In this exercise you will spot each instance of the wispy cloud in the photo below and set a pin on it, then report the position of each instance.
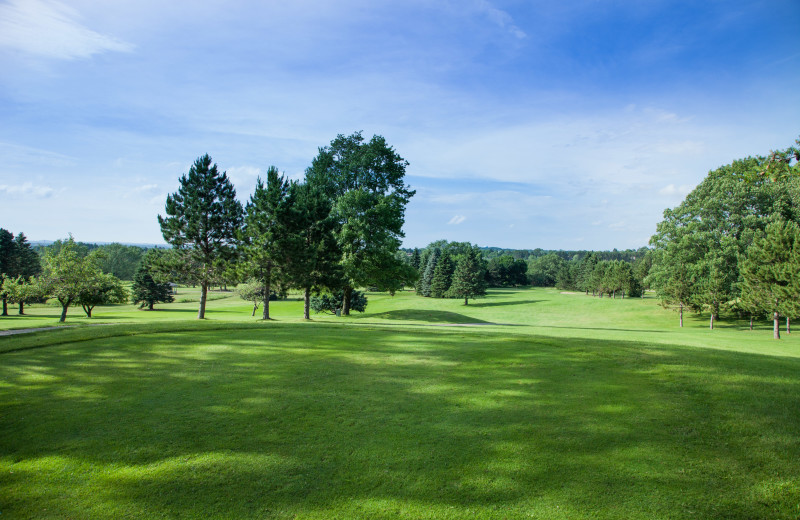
(51, 29)
(27, 189)
(457, 219)
(500, 18)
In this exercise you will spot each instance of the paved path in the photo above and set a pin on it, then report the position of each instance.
(25, 331)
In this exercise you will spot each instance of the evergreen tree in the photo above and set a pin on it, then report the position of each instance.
(314, 252)
(202, 221)
(440, 282)
(427, 275)
(147, 291)
(770, 273)
(266, 233)
(7, 263)
(468, 277)
(415, 259)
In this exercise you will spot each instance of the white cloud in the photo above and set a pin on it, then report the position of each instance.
(457, 219)
(500, 18)
(671, 189)
(26, 189)
(51, 29)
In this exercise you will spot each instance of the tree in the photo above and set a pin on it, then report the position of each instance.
(120, 260)
(21, 291)
(7, 263)
(100, 289)
(252, 291)
(202, 221)
(332, 303)
(146, 290)
(427, 276)
(440, 282)
(672, 281)
(781, 164)
(543, 271)
(468, 277)
(313, 260)
(365, 182)
(66, 275)
(770, 273)
(265, 237)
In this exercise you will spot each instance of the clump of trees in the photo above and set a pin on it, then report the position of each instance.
(709, 252)
(339, 229)
(451, 270)
(19, 263)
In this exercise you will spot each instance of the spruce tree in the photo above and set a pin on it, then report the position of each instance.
(147, 291)
(427, 275)
(440, 282)
(468, 277)
(203, 218)
(7, 261)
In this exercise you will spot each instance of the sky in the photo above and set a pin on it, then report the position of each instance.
(526, 124)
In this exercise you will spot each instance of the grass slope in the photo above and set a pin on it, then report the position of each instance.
(573, 407)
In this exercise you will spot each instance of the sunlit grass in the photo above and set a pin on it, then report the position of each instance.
(524, 404)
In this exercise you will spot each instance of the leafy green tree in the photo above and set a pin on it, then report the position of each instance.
(641, 268)
(585, 281)
(100, 289)
(365, 181)
(21, 291)
(781, 164)
(673, 282)
(202, 221)
(120, 260)
(543, 271)
(770, 273)
(146, 291)
(469, 277)
(253, 291)
(66, 275)
(266, 232)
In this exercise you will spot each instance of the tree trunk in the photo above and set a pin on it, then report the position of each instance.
(681, 315)
(88, 310)
(307, 303)
(265, 313)
(751, 322)
(22, 307)
(63, 312)
(5, 306)
(151, 305)
(201, 314)
(788, 325)
(255, 308)
(466, 300)
(776, 326)
(614, 294)
(348, 292)
(623, 294)
(711, 322)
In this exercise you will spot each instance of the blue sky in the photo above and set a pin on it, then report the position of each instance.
(560, 125)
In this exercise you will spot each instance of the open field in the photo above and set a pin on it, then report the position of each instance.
(525, 404)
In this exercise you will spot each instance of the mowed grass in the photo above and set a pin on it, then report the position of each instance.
(525, 404)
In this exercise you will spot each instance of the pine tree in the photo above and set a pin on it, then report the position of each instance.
(203, 218)
(770, 273)
(266, 232)
(146, 291)
(7, 261)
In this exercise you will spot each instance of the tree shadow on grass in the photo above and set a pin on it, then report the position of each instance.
(299, 421)
(504, 303)
(430, 316)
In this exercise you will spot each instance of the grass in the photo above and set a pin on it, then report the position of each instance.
(525, 404)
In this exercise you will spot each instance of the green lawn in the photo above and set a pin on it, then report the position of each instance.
(525, 404)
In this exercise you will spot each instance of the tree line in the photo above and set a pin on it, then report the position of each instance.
(733, 243)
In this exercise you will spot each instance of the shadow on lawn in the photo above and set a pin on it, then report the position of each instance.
(309, 421)
(430, 316)
(503, 303)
